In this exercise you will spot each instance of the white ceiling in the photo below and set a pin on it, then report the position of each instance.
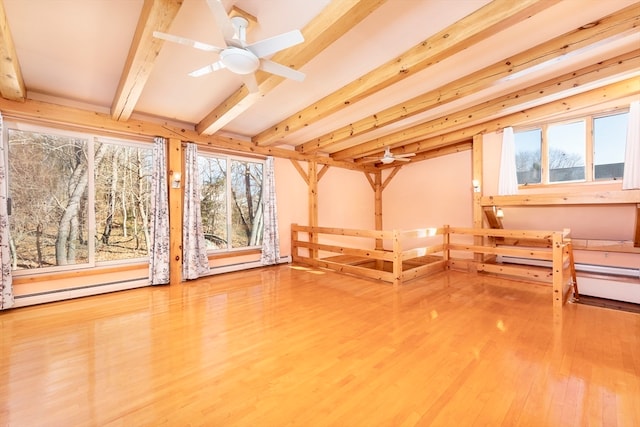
(74, 52)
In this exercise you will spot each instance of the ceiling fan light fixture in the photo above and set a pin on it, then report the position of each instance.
(387, 160)
(239, 61)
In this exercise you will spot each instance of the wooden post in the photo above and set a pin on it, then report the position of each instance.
(377, 189)
(313, 204)
(176, 197)
(558, 279)
(294, 241)
(397, 259)
(476, 174)
(446, 239)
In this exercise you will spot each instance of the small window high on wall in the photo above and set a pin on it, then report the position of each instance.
(580, 150)
(231, 204)
(76, 200)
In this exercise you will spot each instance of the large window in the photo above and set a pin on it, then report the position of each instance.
(231, 202)
(75, 199)
(585, 149)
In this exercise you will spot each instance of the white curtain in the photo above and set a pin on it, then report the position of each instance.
(631, 176)
(195, 262)
(508, 179)
(6, 288)
(159, 217)
(270, 237)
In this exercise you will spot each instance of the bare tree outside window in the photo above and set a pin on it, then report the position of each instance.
(122, 201)
(52, 189)
(567, 150)
(528, 156)
(48, 177)
(231, 202)
(213, 203)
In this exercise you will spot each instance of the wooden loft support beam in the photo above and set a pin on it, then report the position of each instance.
(332, 23)
(492, 219)
(501, 106)
(71, 117)
(11, 81)
(609, 28)
(156, 15)
(481, 24)
(595, 198)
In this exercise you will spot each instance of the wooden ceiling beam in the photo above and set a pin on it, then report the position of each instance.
(612, 27)
(608, 69)
(75, 118)
(620, 90)
(436, 152)
(331, 24)
(11, 82)
(485, 22)
(156, 15)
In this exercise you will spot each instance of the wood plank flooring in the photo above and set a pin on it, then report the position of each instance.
(289, 346)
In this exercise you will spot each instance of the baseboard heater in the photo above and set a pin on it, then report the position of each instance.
(122, 285)
(243, 266)
(614, 286)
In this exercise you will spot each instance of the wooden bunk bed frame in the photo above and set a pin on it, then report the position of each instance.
(397, 266)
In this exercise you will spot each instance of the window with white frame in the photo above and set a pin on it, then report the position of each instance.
(580, 150)
(231, 205)
(76, 200)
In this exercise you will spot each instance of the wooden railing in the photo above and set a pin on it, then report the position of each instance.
(429, 254)
(553, 246)
(393, 266)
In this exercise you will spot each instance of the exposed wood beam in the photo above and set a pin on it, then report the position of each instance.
(371, 181)
(388, 179)
(301, 171)
(607, 29)
(156, 15)
(592, 198)
(331, 24)
(486, 21)
(313, 204)
(502, 105)
(322, 171)
(176, 197)
(11, 81)
(441, 142)
(432, 154)
(58, 115)
(476, 175)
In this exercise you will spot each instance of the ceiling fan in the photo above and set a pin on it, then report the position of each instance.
(237, 56)
(389, 157)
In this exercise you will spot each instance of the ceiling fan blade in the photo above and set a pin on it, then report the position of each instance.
(207, 69)
(222, 19)
(400, 156)
(275, 44)
(187, 42)
(251, 83)
(401, 159)
(281, 70)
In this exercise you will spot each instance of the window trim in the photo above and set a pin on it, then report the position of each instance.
(589, 150)
(230, 157)
(92, 139)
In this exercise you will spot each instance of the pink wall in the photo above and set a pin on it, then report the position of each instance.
(431, 193)
(291, 196)
(345, 200)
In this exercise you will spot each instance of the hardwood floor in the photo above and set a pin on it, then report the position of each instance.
(286, 346)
